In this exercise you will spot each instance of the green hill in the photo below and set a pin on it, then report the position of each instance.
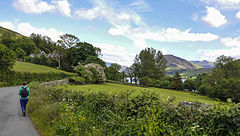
(10, 32)
(34, 68)
(195, 72)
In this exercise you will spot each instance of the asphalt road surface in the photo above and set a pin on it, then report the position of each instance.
(12, 123)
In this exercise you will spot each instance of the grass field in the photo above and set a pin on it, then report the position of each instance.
(165, 93)
(34, 68)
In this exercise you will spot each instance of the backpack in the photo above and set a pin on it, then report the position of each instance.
(24, 92)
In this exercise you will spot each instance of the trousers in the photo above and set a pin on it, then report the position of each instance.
(24, 104)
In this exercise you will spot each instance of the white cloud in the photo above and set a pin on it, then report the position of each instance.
(230, 42)
(211, 55)
(116, 54)
(140, 6)
(7, 24)
(214, 17)
(88, 14)
(27, 29)
(63, 7)
(224, 4)
(40, 6)
(164, 51)
(238, 15)
(126, 22)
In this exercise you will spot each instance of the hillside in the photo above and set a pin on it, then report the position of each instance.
(177, 64)
(204, 63)
(34, 68)
(10, 32)
(194, 72)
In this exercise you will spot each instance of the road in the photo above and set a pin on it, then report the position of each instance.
(12, 123)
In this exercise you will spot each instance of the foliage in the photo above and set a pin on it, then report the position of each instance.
(16, 78)
(177, 82)
(113, 72)
(67, 112)
(223, 83)
(20, 53)
(96, 60)
(92, 73)
(44, 43)
(190, 85)
(7, 58)
(150, 63)
(68, 40)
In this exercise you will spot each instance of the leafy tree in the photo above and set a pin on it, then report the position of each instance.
(44, 43)
(136, 66)
(42, 60)
(151, 64)
(26, 44)
(177, 82)
(96, 60)
(7, 58)
(190, 85)
(68, 40)
(20, 53)
(113, 72)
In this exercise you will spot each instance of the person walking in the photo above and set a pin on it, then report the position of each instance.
(24, 93)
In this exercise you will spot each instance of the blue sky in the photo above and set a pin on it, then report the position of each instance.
(191, 29)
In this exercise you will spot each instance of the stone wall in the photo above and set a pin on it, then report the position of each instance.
(56, 83)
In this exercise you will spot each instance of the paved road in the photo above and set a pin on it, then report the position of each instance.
(12, 123)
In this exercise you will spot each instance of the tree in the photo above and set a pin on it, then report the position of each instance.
(177, 82)
(190, 85)
(136, 66)
(7, 58)
(151, 64)
(44, 43)
(129, 73)
(113, 72)
(68, 40)
(222, 60)
(26, 44)
(20, 53)
(96, 60)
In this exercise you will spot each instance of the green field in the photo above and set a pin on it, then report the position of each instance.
(164, 93)
(34, 68)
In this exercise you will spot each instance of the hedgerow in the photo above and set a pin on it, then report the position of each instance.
(66, 112)
(10, 78)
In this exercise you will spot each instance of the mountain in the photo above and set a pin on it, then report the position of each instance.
(177, 64)
(204, 63)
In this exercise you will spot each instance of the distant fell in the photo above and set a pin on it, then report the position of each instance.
(174, 62)
(204, 63)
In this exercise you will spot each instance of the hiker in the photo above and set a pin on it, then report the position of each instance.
(24, 93)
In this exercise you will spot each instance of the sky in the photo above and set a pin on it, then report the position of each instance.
(191, 29)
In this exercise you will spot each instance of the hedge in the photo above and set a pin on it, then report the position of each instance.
(10, 78)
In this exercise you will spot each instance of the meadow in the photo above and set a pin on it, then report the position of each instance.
(114, 89)
(34, 68)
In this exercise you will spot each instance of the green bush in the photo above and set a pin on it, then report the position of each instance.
(16, 78)
(77, 80)
(82, 113)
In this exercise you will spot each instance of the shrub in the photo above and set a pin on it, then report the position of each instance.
(16, 78)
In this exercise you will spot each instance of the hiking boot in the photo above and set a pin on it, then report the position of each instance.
(24, 113)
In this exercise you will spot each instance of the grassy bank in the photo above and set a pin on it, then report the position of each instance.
(34, 68)
(29, 72)
(99, 112)
(111, 88)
